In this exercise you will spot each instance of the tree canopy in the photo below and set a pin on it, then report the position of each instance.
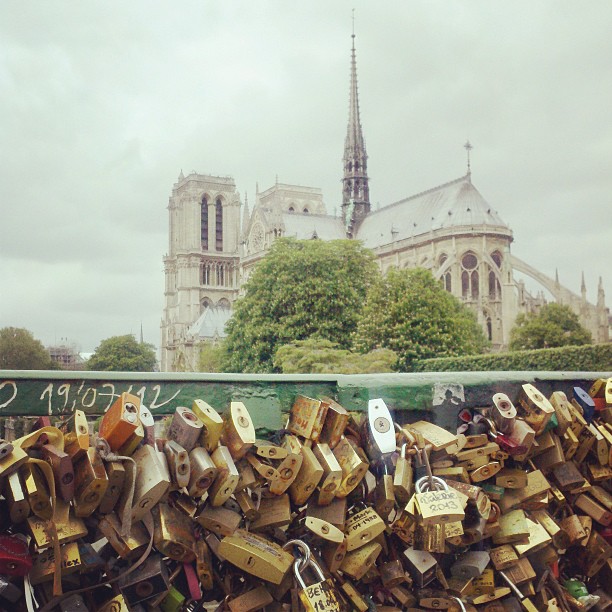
(554, 325)
(123, 354)
(19, 350)
(314, 356)
(300, 289)
(409, 312)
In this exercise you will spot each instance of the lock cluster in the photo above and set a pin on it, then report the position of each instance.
(339, 510)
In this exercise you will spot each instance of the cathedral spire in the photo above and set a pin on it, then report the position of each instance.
(355, 187)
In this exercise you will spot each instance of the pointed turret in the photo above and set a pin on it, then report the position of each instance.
(245, 215)
(601, 295)
(583, 288)
(355, 187)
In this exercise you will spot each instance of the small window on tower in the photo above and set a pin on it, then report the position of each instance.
(305, 211)
(219, 225)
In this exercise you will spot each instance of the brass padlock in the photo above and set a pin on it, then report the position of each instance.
(288, 470)
(503, 413)
(274, 511)
(359, 561)
(384, 494)
(178, 463)
(238, 430)
(120, 420)
(318, 596)
(152, 481)
(353, 463)
(90, 482)
(536, 408)
(336, 420)
(256, 555)
(307, 417)
(332, 473)
(173, 535)
(220, 520)
(254, 599)
(14, 493)
(227, 477)
(63, 471)
(403, 477)
(185, 428)
(309, 475)
(147, 581)
(128, 547)
(148, 425)
(115, 473)
(204, 567)
(363, 527)
(76, 435)
(43, 566)
(69, 528)
(202, 471)
(421, 565)
(440, 505)
(212, 424)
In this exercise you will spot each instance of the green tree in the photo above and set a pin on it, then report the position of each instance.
(19, 350)
(410, 313)
(211, 357)
(316, 356)
(554, 325)
(300, 289)
(123, 354)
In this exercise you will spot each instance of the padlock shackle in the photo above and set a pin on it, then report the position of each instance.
(298, 568)
(422, 484)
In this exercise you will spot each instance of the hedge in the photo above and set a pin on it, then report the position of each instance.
(587, 358)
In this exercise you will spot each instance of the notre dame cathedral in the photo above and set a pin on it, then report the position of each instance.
(450, 229)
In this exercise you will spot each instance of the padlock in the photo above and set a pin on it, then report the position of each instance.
(384, 494)
(248, 506)
(69, 528)
(254, 599)
(116, 604)
(560, 537)
(178, 463)
(256, 555)
(212, 424)
(274, 511)
(152, 481)
(309, 474)
(537, 410)
(202, 472)
(147, 581)
(307, 417)
(148, 425)
(132, 443)
(358, 562)
(76, 435)
(90, 482)
(336, 420)
(227, 477)
(173, 534)
(120, 420)
(470, 564)
(353, 463)
(513, 527)
(238, 430)
(403, 477)
(440, 505)
(185, 428)
(378, 430)
(538, 538)
(503, 413)
(219, 520)
(15, 558)
(63, 471)
(130, 546)
(430, 537)
(333, 553)
(287, 470)
(115, 473)
(332, 473)
(503, 556)
(43, 563)
(14, 493)
(204, 567)
(437, 436)
(318, 596)
(323, 530)
(421, 565)
(351, 594)
(362, 527)
(584, 402)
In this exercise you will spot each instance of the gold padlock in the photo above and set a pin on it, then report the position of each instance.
(309, 474)
(152, 481)
(353, 463)
(336, 420)
(288, 470)
(178, 463)
(219, 520)
(536, 408)
(274, 511)
(69, 528)
(359, 561)
(204, 566)
(332, 473)
(128, 547)
(362, 527)
(90, 482)
(403, 477)
(63, 471)
(173, 535)
(440, 505)
(19, 507)
(202, 471)
(227, 476)
(307, 417)
(115, 473)
(76, 435)
(212, 424)
(318, 596)
(43, 563)
(238, 430)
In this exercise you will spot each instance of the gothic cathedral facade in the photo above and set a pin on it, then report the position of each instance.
(215, 242)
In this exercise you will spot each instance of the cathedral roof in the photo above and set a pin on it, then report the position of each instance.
(457, 204)
(211, 323)
(306, 227)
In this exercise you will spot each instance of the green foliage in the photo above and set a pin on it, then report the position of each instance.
(410, 313)
(19, 350)
(300, 289)
(588, 358)
(211, 357)
(316, 356)
(123, 354)
(554, 325)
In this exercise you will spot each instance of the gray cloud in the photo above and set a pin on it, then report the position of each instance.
(104, 103)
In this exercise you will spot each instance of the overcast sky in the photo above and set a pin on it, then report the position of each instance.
(103, 103)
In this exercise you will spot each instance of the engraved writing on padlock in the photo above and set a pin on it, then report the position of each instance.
(316, 597)
(307, 417)
(363, 527)
(441, 506)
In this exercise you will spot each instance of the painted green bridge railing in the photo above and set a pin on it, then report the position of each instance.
(437, 397)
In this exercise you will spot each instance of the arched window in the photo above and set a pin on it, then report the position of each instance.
(489, 328)
(219, 225)
(469, 276)
(206, 303)
(447, 282)
(224, 304)
(205, 273)
(305, 211)
(291, 209)
(497, 258)
(494, 286)
(204, 223)
(442, 259)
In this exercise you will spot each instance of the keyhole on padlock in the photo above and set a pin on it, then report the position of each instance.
(250, 562)
(91, 498)
(67, 478)
(243, 421)
(286, 474)
(82, 429)
(182, 469)
(382, 425)
(144, 589)
(190, 416)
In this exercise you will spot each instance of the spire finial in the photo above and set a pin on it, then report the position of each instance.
(353, 34)
(468, 147)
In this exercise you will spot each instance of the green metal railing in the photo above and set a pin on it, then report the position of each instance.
(434, 396)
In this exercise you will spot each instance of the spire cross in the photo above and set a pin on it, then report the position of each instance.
(468, 147)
